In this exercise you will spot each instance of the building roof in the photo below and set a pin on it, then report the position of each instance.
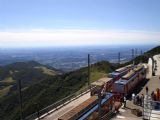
(101, 81)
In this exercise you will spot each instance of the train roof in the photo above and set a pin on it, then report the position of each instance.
(129, 66)
(139, 67)
(121, 69)
(104, 100)
(114, 73)
(145, 66)
(79, 108)
(129, 74)
(121, 81)
(124, 68)
(101, 81)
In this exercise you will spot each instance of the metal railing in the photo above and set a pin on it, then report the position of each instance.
(56, 106)
(151, 109)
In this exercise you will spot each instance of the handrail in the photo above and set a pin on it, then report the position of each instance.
(57, 105)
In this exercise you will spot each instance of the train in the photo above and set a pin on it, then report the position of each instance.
(89, 109)
(106, 84)
(111, 89)
(129, 81)
(103, 84)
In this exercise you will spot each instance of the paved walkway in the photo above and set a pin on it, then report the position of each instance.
(157, 58)
(55, 115)
(153, 83)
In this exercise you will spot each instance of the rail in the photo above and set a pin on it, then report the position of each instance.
(151, 109)
(108, 116)
(56, 106)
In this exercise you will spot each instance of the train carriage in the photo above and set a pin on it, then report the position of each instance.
(130, 80)
(103, 84)
(88, 110)
(107, 104)
(118, 73)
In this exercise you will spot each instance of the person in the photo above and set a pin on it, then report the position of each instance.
(147, 90)
(152, 95)
(133, 98)
(142, 99)
(158, 93)
(137, 99)
(125, 100)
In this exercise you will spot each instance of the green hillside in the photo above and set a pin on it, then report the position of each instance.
(28, 72)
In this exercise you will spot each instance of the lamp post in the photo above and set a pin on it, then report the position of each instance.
(99, 105)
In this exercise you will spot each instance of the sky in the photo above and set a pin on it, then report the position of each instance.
(42, 23)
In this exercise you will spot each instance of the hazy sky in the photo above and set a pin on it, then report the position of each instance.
(78, 22)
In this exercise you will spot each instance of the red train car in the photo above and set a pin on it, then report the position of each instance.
(130, 80)
(106, 84)
(117, 74)
(88, 110)
(103, 84)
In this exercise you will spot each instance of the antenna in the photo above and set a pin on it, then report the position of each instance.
(136, 52)
(99, 104)
(132, 53)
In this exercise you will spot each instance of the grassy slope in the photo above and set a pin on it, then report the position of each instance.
(24, 71)
(47, 71)
(5, 91)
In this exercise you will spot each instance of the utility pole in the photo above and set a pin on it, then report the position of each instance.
(132, 54)
(141, 52)
(20, 99)
(136, 52)
(99, 105)
(89, 71)
(119, 57)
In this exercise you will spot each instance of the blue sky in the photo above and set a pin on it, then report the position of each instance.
(78, 18)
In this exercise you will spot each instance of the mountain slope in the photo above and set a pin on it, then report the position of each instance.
(28, 72)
